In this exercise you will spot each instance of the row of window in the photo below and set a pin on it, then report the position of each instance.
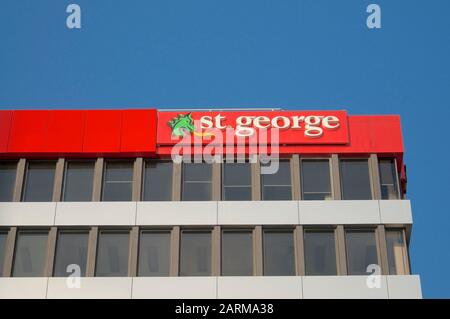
(197, 181)
(195, 252)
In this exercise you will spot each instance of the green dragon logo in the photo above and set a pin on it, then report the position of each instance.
(183, 125)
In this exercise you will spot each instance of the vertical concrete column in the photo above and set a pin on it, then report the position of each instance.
(335, 177)
(133, 255)
(258, 252)
(137, 178)
(20, 180)
(216, 251)
(98, 180)
(216, 181)
(175, 251)
(299, 251)
(382, 249)
(92, 252)
(340, 251)
(256, 180)
(9, 252)
(58, 183)
(51, 247)
(374, 176)
(176, 181)
(295, 177)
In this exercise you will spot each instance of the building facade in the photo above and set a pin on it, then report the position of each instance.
(93, 205)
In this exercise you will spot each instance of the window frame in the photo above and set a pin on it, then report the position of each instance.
(25, 178)
(64, 181)
(404, 250)
(168, 230)
(377, 237)
(105, 168)
(280, 229)
(210, 182)
(370, 171)
(74, 230)
(332, 177)
(238, 229)
(15, 163)
(397, 177)
(337, 252)
(113, 230)
(222, 181)
(289, 160)
(193, 229)
(143, 175)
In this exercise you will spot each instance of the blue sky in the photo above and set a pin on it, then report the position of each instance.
(293, 54)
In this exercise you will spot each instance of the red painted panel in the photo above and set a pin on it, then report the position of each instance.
(102, 131)
(28, 131)
(65, 132)
(5, 127)
(138, 131)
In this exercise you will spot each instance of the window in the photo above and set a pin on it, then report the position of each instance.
(78, 183)
(279, 257)
(388, 179)
(320, 253)
(39, 182)
(316, 182)
(396, 251)
(71, 249)
(118, 181)
(361, 251)
(355, 179)
(154, 253)
(237, 253)
(197, 181)
(237, 181)
(3, 238)
(195, 253)
(7, 180)
(112, 254)
(277, 186)
(157, 181)
(30, 254)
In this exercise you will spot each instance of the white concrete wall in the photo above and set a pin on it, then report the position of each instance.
(212, 287)
(206, 213)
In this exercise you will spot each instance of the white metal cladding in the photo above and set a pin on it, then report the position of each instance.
(206, 213)
(391, 287)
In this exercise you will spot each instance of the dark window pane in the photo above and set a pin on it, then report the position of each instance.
(79, 181)
(3, 237)
(397, 259)
(277, 186)
(237, 181)
(30, 254)
(154, 254)
(196, 181)
(195, 253)
(361, 251)
(316, 184)
(388, 179)
(355, 180)
(118, 181)
(158, 181)
(7, 180)
(39, 182)
(112, 254)
(71, 248)
(237, 253)
(320, 253)
(279, 258)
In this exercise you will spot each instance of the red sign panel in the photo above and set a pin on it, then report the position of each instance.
(294, 127)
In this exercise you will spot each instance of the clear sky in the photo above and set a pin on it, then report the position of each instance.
(294, 54)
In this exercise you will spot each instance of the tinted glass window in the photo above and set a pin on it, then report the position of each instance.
(237, 181)
(195, 253)
(118, 181)
(71, 249)
(388, 179)
(112, 254)
(197, 181)
(355, 179)
(396, 251)
(361, 251)
(78, 181)
(158, 181)
(320, 253)
(154, 253)
(279, 257)
(237, 253)
(316, 183)
(7, 180)
(3, 237)
(277, 186)
(30, 254)
(39, 181)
